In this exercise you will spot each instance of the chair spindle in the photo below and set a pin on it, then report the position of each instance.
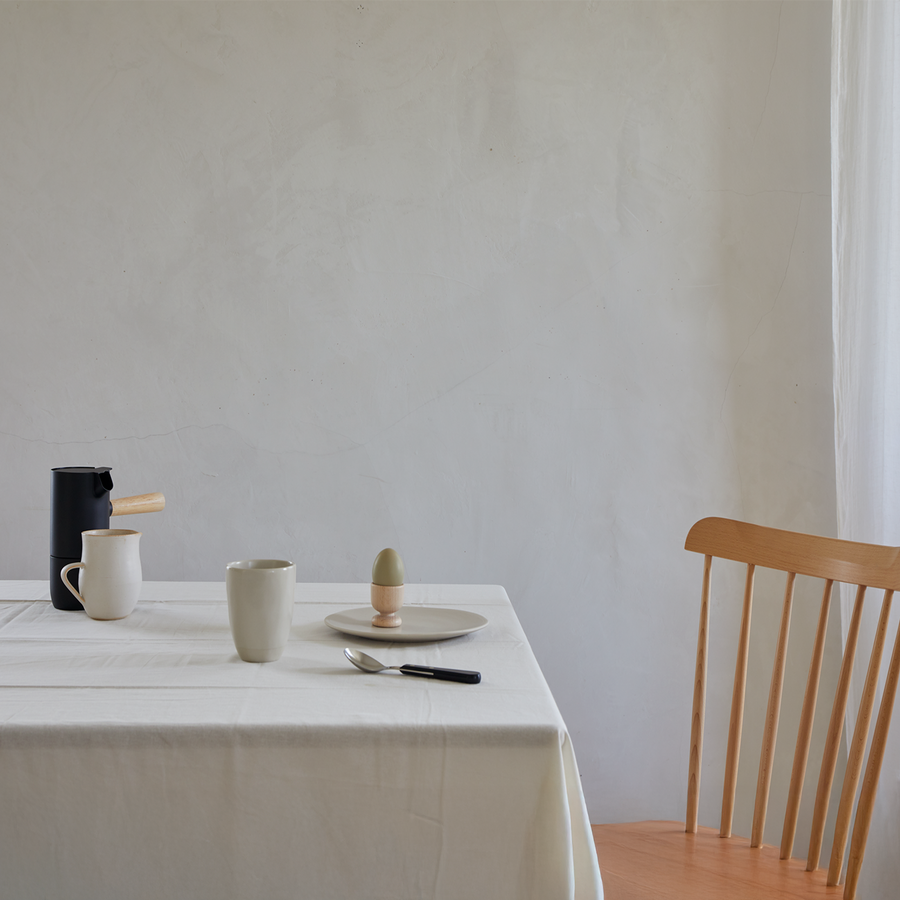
(833, 738)
(773, 711)
(858, 745)
(735, 727)
(804, 731)
(699, 709)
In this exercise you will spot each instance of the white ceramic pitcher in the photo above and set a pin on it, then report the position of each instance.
(110, 576)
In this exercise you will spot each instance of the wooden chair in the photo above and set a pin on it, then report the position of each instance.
(668, 860)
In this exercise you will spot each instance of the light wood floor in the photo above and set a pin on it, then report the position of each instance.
(644, 860)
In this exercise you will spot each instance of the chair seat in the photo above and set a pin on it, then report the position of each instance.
(658, 860)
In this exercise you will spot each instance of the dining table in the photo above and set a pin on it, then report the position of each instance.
(142, 758)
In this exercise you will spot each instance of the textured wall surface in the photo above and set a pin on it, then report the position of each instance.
(522, 290)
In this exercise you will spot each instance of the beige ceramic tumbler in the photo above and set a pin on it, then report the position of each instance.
(260, 606)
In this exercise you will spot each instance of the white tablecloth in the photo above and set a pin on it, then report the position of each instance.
(143, 758)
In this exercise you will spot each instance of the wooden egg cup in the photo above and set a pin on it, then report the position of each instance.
(387, 600)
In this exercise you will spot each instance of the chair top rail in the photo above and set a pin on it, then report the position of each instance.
(849, 562)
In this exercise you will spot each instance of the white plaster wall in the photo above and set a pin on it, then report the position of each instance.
(522, 290)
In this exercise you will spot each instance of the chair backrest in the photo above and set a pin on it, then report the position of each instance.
(866, 566)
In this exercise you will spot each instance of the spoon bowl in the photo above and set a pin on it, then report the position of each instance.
(365, 662)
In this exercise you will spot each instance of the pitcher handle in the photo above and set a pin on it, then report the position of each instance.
(65, 571)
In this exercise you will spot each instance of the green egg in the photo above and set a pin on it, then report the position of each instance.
(387, 570)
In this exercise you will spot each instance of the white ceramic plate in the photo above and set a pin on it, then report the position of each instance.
(419, 623)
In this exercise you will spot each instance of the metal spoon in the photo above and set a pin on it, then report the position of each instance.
(368, 664)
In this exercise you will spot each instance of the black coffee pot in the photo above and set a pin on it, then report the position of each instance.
(81, 503)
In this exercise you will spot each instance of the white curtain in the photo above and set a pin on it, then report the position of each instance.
(865, 144)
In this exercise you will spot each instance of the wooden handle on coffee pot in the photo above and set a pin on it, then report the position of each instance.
(141, 503)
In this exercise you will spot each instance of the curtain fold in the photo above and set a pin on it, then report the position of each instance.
(865, 196)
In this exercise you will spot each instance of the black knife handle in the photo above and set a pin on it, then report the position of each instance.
(463, 675)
